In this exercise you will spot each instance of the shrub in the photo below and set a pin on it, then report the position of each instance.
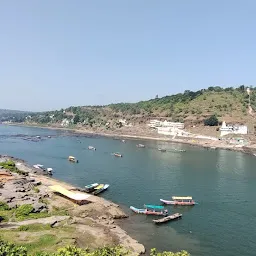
(211, 121)
(23, 210)
(9, 249)
(3, 206)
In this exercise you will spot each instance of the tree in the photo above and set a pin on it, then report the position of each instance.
(76, 119)
(211, 121)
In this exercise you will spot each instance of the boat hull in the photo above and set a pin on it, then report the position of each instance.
(168, 218)
(178, 203)
(101, 189)
(147, 212)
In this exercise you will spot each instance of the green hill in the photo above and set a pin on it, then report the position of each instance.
(230, 104)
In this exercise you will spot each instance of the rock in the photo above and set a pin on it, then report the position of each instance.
(12, 205)
(8, 199)
(38, 207)
(20, 190)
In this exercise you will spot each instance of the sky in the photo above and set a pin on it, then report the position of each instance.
(61, 53)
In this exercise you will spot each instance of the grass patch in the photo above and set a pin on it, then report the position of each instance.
(44, 242)
(35, 227)
(10, 165)
(40, 238)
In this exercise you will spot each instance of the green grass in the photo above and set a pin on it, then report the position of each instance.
(35, 227)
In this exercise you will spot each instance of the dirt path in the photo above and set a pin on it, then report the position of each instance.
(49, 220)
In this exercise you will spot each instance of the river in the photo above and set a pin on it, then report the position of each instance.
(222, 182)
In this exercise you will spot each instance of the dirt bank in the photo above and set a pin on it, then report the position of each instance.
(91, 225)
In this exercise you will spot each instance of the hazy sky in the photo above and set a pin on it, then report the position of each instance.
(58, 53)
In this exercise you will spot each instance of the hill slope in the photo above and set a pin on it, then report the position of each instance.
(230, 104)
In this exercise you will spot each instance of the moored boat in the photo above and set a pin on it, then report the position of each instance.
(162, 149)
(140, 146)
(180, 200)
(168, 218)
(90, 187)
(72, 159)
(91, 148)
(151, 210)
(105, 187)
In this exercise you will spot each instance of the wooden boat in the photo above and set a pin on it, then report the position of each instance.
(162, 149)
(168, 218)
(91, 148)
(150, 210)
(140, 146)
(91, 187)
(180, 150)
(72, 159)
(105, 187)
(117, 154)
(180, 200)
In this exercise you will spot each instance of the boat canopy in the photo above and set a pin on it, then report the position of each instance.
(159, 207)
(78, 197)
(182, 198)
(71, 157)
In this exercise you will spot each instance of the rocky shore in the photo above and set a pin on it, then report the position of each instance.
(91, 225)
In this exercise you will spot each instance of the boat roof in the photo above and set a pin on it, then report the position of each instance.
(69, 194)
(154, 206)
(182, 198)
(71, 157)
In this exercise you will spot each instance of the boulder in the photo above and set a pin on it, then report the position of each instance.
(38, 207)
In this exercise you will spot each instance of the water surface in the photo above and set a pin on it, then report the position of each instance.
(223, 182)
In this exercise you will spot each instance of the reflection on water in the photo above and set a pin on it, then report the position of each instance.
(222, 182)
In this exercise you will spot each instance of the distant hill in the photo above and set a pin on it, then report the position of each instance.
(13, 115)
(230, 104)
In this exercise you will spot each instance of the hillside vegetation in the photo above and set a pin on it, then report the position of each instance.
(230, 104)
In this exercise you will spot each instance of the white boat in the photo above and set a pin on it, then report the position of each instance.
(91, 148)
(38, 166)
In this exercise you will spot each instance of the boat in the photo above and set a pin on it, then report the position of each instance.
(140, 146)
(180, 150)
(168, 218)
(91, 148)
(91, 187)
(105, 187)
(49, 171)
(162, 149)
(123, 141)
(151, 210)
(117, 154)
(180, 200)
(39, 166)
(72, 159)
(254, 154)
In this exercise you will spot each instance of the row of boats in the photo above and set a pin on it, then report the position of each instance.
(159, 210)
(96, 188)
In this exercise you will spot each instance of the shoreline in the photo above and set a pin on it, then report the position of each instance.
(198, 142)
(102, 213)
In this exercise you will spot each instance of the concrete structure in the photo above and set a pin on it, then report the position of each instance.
(156, 123)
(232, 129)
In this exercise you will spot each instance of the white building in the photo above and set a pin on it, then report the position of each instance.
(157, 123)
(154, 123)
(232, 129)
